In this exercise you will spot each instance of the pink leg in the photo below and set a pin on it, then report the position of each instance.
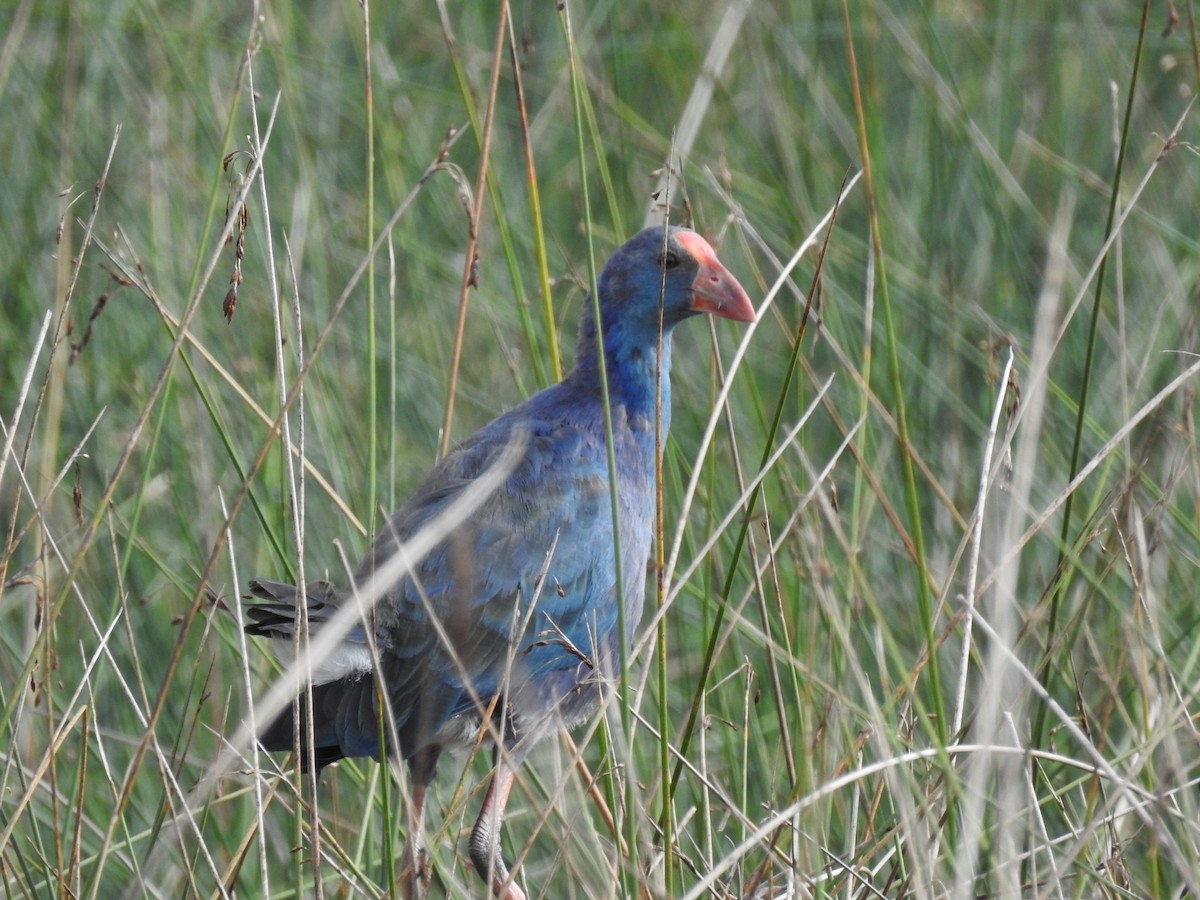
(414, 867)
(485, 836)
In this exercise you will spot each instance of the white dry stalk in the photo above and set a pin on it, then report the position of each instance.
(736, 509)
(450, 519)
(986, 479)
(248, 696)
(750, 628)
(743, 348)
(11, 431)
(1025, 466)
(697, 106)
(127, 451)
(1035, 812)
(1110, 446)
(816, 493)
(1117, 227)
(295, 485)
(1145, 802)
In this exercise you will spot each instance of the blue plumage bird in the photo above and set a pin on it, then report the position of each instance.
(513, 614)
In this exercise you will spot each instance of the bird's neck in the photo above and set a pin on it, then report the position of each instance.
(638, 373)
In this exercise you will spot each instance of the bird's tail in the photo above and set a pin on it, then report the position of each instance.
(343, 686)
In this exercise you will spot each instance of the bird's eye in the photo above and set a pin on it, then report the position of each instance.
(668, 260)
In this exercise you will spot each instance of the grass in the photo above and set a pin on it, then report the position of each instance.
(930, 543)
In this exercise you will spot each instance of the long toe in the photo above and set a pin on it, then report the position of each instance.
(414, 872)
(414, 864)
(485, 837)
(485, 855)
(508, 891)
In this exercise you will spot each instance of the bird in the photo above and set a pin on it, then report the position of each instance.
(508, 628)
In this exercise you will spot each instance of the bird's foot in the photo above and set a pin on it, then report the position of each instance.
(485, 854)
(507, 890)
(414, 872)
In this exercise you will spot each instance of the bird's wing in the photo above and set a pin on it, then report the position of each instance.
(522, 589)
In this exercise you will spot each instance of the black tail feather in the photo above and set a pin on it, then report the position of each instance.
(344, 718)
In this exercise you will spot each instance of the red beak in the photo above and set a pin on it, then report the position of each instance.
(715, 290)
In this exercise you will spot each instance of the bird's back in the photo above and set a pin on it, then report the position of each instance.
(520, 598)
(518, 603)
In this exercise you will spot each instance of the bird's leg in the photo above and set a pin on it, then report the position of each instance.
(485, 836)
(414, 866)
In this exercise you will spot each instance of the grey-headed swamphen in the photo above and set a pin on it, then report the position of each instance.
(513, 614)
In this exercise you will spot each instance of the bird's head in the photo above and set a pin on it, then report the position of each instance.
(656, 278)
(678, 268)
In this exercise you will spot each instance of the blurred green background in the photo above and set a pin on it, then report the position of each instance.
(992, 132)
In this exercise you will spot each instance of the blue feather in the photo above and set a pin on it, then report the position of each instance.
(524, 592)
